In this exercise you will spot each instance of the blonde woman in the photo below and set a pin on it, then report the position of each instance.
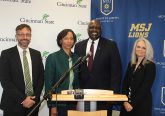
(138, 80)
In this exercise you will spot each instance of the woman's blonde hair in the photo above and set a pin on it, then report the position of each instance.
(149, 51)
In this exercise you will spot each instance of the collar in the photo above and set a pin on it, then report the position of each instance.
(96, 41)
(66, 55)
(20, 50)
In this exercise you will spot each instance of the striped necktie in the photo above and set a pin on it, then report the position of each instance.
(27, 79)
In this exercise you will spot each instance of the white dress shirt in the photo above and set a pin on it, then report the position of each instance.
(89, 45)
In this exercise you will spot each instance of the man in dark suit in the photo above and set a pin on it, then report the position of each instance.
(105, 72)
(22, 82)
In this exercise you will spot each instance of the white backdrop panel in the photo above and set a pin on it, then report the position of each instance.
(47, 18)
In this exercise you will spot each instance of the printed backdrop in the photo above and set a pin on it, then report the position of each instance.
(126, 20)
(47, 18)
(122, 20)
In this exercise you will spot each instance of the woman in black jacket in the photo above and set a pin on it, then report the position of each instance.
(138, 80)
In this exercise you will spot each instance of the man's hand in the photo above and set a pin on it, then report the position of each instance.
(28, 102)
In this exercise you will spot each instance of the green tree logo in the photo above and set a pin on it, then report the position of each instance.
(78, 35)
(79, 1)
(45, 16)
(45, 54)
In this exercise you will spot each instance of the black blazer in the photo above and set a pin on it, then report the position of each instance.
(106, 71)
(140, 82)
(12, 79)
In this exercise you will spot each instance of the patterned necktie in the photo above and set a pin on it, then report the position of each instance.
(28, 83)
(90, 59)
(71, 75)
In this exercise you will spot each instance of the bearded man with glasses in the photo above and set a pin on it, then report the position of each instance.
(22, 75)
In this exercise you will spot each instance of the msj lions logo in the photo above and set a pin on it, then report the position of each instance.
(106, 6)
(163, 96)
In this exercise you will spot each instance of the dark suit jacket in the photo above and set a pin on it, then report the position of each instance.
(56, 65)
(140, 82)
(106, 71)
(12, 78)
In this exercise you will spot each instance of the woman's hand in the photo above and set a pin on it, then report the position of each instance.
(54, 111)
(128, 107)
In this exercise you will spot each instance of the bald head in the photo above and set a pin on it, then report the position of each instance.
(94, 29)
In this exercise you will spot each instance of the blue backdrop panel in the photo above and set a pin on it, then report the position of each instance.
(126, 20)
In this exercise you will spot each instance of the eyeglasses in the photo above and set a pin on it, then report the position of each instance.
(23, 35)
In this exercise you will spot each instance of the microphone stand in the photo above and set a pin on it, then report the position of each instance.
(62, 78)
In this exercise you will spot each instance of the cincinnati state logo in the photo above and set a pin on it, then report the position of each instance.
(77, 4)
(106, 6)
(44, 19)
(139, 30)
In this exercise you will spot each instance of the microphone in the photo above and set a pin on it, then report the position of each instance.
(80, 60)
(77, 62)
(85, 57)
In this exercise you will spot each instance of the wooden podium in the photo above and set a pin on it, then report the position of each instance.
(95, 113)
(91, 95)
(115, 97)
